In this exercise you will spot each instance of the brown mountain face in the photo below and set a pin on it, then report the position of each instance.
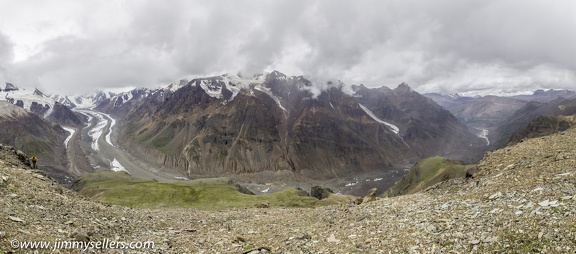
(271, 128)
(428, 128)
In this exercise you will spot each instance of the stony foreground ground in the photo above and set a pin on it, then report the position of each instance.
(521, 200)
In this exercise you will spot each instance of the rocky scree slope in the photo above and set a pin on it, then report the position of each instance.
(522, 199)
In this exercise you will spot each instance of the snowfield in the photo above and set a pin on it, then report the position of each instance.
(116, 166)
(390, 126)
(72, 131)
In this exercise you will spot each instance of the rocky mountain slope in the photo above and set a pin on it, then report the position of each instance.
(522, 199)
(425, 126)
(522, 117)
(486, 111)
(268, 127)
(35, 137)
(278, 127)
(503, 116)
(543, 126)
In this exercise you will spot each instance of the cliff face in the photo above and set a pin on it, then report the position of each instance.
(274, 126)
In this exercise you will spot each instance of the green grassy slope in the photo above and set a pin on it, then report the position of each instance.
(426, 173)
(207, 194)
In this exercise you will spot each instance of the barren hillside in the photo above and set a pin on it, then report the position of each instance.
(523, 198)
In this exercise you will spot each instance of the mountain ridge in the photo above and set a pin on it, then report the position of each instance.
(284, 113)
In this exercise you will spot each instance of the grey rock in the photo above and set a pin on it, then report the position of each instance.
(80, 235)
(332, 239)
(474, 242)
(8, 211)
(16, 219)
(544, 203)
(495, 195)
(470, 172)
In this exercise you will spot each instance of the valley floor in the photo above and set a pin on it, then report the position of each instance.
(523, 199)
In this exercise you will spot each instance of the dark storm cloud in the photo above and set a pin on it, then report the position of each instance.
(443, 45)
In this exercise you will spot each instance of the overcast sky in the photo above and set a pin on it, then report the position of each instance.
(70, 46)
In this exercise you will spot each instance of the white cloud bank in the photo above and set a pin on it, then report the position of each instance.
(482, 46)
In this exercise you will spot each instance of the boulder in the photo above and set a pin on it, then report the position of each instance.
(263, 205)
(21, 156)
(320, 192)
(470, 172)
(358, 201)
(371, 196)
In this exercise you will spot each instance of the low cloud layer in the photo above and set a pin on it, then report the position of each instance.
(478, 46)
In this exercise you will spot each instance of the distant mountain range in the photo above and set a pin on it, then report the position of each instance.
(504, 116)
(277, 127)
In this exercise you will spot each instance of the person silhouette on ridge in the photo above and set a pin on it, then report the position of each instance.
(34, 161)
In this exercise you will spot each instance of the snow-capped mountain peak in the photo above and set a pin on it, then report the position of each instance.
(34, 101)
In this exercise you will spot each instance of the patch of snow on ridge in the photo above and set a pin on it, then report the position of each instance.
(212, 90)
(176, 85)
(235, 83)
(390, 126)
(269, 93)
(213, 86)
(116, 166)
(72, 131)
(28, 98)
